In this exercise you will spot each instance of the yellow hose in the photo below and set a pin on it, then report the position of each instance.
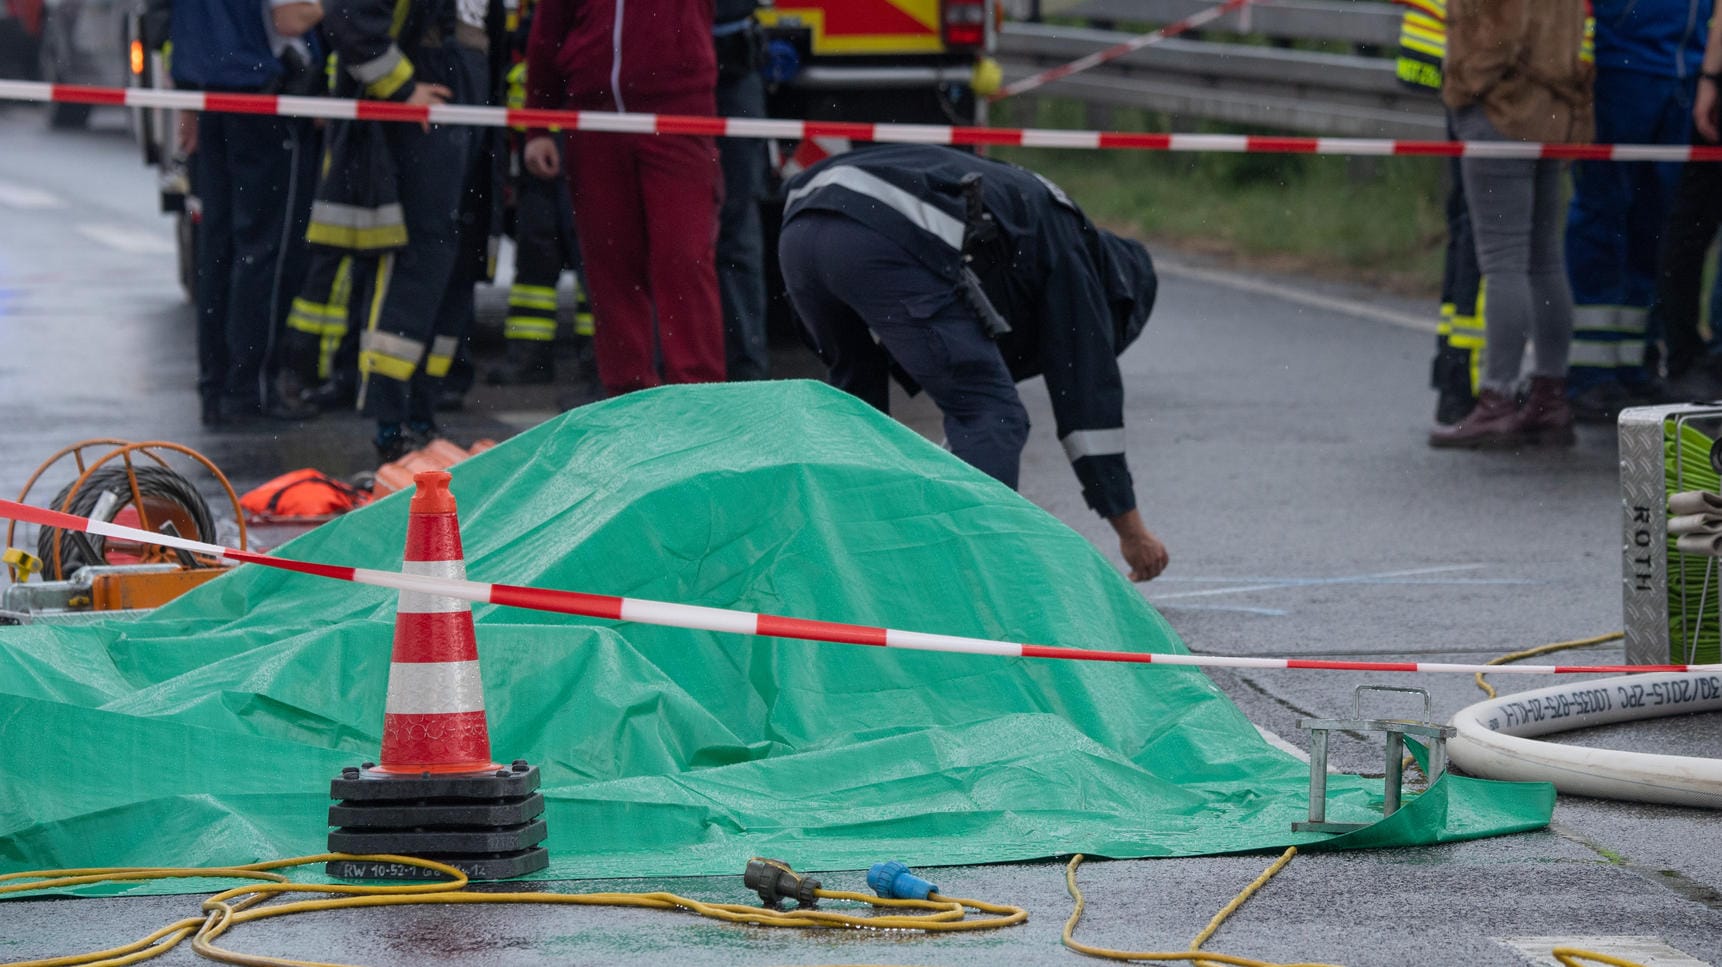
(243, 904)
(1194, 954)
(1543, 650)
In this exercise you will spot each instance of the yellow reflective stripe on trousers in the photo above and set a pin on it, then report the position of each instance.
(532, 328)
(441, 356)
(312, 319)
(532, 297)
(384, 353)
(391, 355)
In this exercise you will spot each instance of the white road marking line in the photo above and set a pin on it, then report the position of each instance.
(27, 198)
(127, 239)
(1271, 584)
(1277, 741)
(1350, 307)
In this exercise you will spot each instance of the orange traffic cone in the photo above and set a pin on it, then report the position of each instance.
(434, 720)
(436, 792)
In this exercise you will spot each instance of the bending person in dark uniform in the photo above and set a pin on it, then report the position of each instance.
(963, 276)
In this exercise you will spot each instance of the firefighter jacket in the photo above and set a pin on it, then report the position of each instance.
(1422, 44)
(622, 55)
(357, 204)
(1523, 62)
(1073, 295)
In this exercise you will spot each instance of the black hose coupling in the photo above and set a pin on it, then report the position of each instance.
(775, 882)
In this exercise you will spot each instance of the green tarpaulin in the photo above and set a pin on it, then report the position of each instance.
(208, 732)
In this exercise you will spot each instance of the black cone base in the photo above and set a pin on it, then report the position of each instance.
(488, 825)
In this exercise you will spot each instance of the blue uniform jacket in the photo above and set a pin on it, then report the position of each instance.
(1662, 37)
(1075, 296)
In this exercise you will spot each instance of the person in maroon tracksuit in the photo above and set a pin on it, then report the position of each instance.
(645, 205)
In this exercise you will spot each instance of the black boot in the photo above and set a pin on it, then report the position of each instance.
(338, 392)
(528, 362)
(1451, 379)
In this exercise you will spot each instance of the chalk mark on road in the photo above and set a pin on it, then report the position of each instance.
(1407, 577)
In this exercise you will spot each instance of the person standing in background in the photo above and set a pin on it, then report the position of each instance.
(1515, 71)
(252, 177)
(1693, 369)
(1455, 371)
(1647, 63)
(741, 242)
(391, 196)
(645, 205)
(544, 245)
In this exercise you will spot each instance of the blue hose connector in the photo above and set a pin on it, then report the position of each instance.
(893, 881)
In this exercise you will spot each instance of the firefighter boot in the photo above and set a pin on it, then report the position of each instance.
(1494, 423)
(1450, 377)
(1547, 417)
(528, 362)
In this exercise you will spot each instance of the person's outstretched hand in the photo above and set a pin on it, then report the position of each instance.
(1143, 551)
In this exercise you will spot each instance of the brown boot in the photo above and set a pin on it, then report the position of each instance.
(1548, 418)
(1494, 423)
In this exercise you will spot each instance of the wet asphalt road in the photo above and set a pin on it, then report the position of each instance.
(1276, 431)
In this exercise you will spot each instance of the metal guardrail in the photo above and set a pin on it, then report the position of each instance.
(1340, 94)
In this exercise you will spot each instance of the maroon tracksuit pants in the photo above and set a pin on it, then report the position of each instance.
(645, 210)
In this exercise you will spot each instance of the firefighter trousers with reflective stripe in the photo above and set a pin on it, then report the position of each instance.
(1615, 222)
(544, 245)
(403, 300)
(869, 304)
(1459, 338)
(415, 303)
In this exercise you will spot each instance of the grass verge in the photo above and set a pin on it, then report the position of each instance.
(1375, 221)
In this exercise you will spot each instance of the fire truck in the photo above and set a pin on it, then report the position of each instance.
(881, 61)
(898, 61)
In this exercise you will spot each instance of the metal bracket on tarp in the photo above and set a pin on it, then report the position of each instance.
(1396, 730)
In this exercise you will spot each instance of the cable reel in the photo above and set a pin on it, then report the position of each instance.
(118, 488)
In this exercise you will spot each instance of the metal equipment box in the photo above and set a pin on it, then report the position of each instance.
(1670, 601)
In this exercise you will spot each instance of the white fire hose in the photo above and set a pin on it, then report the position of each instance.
(1495, 741)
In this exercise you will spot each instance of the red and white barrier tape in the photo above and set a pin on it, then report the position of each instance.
(765, 625)
(496, 117)
(1116, 50)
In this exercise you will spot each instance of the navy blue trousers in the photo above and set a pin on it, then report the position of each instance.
(253, 176)
(868, 303)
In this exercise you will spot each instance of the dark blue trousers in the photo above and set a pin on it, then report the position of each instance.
(867, 303)
(252, 177)
(741, 243)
